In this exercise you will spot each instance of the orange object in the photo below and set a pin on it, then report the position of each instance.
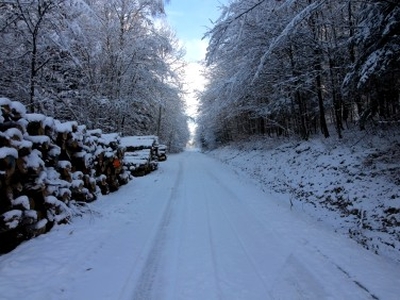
(116, 163)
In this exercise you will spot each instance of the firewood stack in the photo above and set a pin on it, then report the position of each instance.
(47, 168)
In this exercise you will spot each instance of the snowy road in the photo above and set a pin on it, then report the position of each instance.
(194, 230)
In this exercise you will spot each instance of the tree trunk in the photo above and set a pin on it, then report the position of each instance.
(318, 78)
(33, 76)
(322, 119)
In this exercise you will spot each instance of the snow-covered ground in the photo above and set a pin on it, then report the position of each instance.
(195, 229)
(352, 185)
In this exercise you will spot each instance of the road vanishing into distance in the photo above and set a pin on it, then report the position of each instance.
(195, 229)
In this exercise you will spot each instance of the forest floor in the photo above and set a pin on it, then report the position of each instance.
(351, 185)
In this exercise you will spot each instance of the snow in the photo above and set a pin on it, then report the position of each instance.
(137, 158)
(138, 141)
(124, 176)
(64, 164)
(38, 139)
(95, 132)
(14, 134)
(51, 200)
(77, 175)
(352, 187)
(102, 177)
(6, 151)
(5, 101)
(306, 12)
(22, 144)
(35, 117)
(77, 184)
(34, 160)
(59, 212)
(49, 122)
(109, 153)
(15, 213)
(18, 107)
(65, 127)
(109, 138)
(41, 224)
(12, 218)
(145, 154)
(135, 161)
(98, 151)
(23, 201)
(54, 151)
(31, 214)
(195, 229)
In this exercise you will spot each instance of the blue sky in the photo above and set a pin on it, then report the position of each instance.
(190, 19)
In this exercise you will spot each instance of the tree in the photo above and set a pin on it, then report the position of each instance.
(102, 63)
(278, 67)
(374, 73)
(263, 47)
(37, 52)
(28, 20)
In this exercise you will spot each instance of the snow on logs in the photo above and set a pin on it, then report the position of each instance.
(48, 169)
(141, 155)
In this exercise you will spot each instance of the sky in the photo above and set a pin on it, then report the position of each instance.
(191, 20)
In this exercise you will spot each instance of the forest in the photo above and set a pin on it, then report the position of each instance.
(300, 68)
(109, 64)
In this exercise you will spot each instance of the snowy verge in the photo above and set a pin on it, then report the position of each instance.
(352, 185)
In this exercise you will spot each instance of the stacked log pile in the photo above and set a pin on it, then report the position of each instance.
(141, 156)
(49, 168)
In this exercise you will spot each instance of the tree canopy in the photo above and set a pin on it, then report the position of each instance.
(103, 63)
(299, 67)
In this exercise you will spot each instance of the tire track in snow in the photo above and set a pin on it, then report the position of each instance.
(212, 245)
(242, 254)
(228, 220)
(229, 244)
(148, 284)
(253, 224)
(305, 282)
(246, 209)
(347, 275)
(197, 278)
